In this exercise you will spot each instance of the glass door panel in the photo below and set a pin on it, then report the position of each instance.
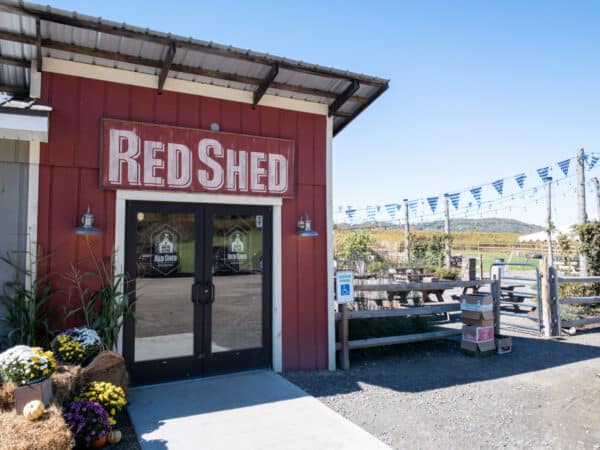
(237, 277)
(165, 266)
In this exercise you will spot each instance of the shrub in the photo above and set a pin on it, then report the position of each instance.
(447, 274)
(23, 365)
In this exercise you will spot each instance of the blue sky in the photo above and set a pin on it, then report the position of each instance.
(479, 90)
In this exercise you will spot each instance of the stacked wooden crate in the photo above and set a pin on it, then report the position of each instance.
(478, 324)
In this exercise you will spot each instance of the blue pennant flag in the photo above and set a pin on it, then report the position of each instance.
(371, 212)
(499, 186)
(564, 166)
(433, 201)
(543, 173)
(520, 179)
(350, 213)
(412, 205)
(455, 198)
(476, 193)
(592, 162)
(392, 209)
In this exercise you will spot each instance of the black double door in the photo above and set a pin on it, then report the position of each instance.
(200, 280)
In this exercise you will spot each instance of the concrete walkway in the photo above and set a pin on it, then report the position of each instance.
(249, 410)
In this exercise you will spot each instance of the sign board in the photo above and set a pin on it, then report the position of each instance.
(137, 155)
(344, 291)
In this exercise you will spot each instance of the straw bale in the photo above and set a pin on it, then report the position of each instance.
(109, 367)
(66, 383)
(7, 396)
(48, 432)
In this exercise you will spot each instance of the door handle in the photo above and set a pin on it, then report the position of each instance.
(203, 293)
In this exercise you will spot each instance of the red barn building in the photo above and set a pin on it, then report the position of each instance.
(197, 161)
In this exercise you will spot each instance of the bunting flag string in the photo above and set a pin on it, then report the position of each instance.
(564, 166)
(499, 186)
(476, 193)
(433, 202)
(455, 199)
(429, 206)
(543, 173)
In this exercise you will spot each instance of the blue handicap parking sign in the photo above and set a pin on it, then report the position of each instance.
(345, 289)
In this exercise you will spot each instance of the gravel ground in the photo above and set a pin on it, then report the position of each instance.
(545, 394)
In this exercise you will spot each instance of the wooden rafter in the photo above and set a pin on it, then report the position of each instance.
(264, 85)
(343, 97)
(166, 66)
(38, 43)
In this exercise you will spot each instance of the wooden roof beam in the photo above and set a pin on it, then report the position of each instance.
(14, 61)
(166, 66)
(344, 97)
(264, 85)
(38, 43)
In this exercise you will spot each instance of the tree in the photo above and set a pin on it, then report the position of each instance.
(357, 248)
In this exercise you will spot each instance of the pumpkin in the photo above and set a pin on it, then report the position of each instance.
(114, 437)
(33, 410)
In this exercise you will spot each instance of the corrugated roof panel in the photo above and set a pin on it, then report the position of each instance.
(14, 76)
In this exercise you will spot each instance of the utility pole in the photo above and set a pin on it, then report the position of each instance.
(581, 211)
(550, 226)
(406, 231)
(597, 189)
(448, 258)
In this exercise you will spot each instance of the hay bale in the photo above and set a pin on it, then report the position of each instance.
(7, 396)
(48, 432)
(66, 383)
(109, 367)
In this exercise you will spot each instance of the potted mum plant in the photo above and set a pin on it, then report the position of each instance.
(111, 397)
(29, 369)
(76, 345)
(88, 421)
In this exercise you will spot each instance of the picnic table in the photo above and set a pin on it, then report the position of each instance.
(428, 286)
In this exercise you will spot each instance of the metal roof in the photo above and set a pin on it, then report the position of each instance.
(27, 27)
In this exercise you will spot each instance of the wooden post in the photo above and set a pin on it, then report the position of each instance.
(581, 211)
(468, 269)
(406, 231)
(448, 255)
(480, 265)
(597, 189)
(496, 295)
(554, 301)
(549, 219)
(344, 355)
(546, 302)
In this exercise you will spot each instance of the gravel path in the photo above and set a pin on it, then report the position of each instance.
(546, 394)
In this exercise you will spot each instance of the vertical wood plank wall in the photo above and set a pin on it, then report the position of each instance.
(69, 174)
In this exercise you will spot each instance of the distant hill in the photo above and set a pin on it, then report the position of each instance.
(491, 225)
(488, 225)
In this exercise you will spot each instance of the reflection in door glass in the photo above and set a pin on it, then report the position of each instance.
(238, 279)
(164, 316)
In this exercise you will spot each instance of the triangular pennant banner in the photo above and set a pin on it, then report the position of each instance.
(592, 162)
(371, 212)
(520, 179)
(350, 213)
(499, 186)
(392, 209)
(433, 201)
(455, 199)
(476, 193)
(543, 173)
(412, 204)
(564, 166)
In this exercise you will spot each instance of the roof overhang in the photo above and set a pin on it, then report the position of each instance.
(24, 121)
(29, 32)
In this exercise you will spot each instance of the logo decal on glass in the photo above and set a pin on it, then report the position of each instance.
(165, 259)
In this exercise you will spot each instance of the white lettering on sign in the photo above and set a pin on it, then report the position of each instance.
(124, 148)
(158, 157)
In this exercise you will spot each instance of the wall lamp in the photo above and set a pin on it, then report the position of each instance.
(87, 225)
(304, 227)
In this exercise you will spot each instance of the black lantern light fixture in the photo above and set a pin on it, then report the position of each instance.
(304, 227)
(87, 225)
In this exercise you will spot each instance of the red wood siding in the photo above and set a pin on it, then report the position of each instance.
(69, 180)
